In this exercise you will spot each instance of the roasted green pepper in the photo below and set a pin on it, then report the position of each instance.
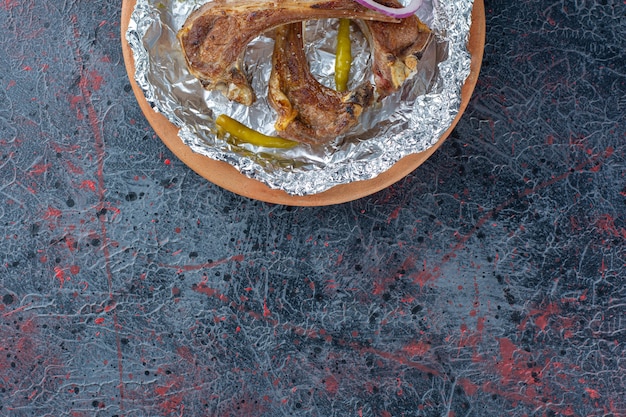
(243, 133)
(343, 55)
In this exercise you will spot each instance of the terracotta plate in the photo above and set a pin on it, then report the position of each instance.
(224, 175)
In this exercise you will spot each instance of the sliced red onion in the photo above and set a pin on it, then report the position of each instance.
(399, 13)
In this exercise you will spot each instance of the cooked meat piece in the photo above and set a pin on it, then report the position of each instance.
(396, 49)
(214, 37)
(308, 111)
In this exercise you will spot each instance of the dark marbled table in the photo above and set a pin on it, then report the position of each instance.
(489, 282)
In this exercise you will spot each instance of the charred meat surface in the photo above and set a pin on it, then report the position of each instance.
(214, 37)
(396, 49)
(308, 111)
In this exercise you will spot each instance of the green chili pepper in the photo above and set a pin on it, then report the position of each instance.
(343, 55)
(243, 133)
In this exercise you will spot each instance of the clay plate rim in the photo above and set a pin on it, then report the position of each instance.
(227, 177)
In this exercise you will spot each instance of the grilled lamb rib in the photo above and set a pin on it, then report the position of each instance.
(308, 111)
(214, 37)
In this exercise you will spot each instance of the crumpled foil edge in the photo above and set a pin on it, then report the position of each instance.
(428, 118)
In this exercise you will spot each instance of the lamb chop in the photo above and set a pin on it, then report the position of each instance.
(396, 49)
(308, 111)
(214, 37)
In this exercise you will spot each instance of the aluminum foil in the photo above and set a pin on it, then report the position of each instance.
(409, 121)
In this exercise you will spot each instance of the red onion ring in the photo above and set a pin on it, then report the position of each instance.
(399, 13)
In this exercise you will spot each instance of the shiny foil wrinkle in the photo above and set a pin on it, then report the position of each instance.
(409, 121)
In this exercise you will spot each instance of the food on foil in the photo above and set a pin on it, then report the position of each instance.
(214, 38)
(407, 122)
(307, 111)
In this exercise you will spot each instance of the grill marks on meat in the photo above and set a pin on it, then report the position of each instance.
(214, 37)
(308, 111)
